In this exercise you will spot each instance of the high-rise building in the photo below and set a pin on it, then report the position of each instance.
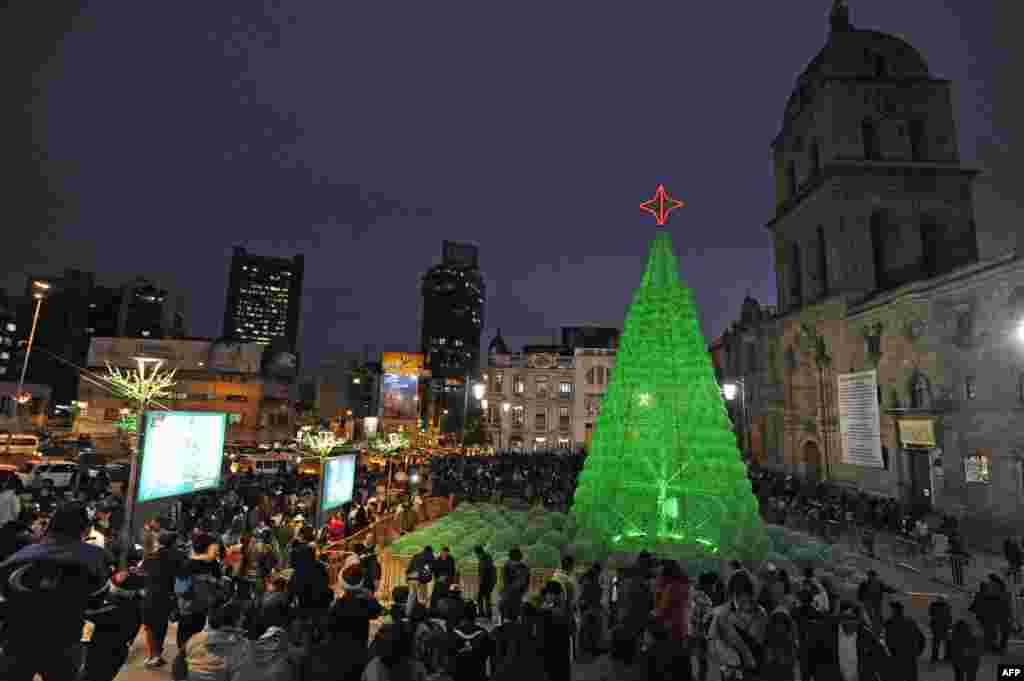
(8, 338)
(451, 317)
(264, 298)
(452, 312)
(592, 337)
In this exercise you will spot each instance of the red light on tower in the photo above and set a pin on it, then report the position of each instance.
(661, 205)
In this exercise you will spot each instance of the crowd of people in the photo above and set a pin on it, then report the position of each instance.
(538, 477)
(245, 576)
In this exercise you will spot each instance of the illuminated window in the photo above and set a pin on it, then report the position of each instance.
(540, 420)
(518, 415)
(565, 388)
(977, 468)
(541, 383)
(518, 385)
(563, 417)
(11, 328)
(499, 383)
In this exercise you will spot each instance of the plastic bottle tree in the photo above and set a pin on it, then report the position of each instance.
(664, 468)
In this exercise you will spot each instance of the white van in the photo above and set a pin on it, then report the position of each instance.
(19, 444)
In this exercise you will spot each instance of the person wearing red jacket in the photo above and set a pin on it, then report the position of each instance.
(672, 598)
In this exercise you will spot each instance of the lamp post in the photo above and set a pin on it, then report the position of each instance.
(479, 389)
(39, 293)
(142, 388)
(732, 389)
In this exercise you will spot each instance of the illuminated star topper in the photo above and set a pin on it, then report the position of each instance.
(661, 205)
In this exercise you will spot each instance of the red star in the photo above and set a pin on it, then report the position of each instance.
(661, 205)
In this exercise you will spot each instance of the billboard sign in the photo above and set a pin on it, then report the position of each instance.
(400, 383)
(182, 453)
(860, 426)
(339, 481)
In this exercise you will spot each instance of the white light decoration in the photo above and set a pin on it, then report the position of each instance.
(478, 391)
(137, 386)
(1020, 331)
(483, 404)
(323, 443)
(730, 390)
(644, 399)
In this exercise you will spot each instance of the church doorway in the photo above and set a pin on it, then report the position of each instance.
(811, 462)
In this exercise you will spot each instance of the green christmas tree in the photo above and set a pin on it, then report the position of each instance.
(664, 473)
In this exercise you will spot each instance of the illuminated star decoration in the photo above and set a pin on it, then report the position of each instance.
(661, 205)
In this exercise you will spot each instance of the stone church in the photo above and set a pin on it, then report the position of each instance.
(878, 269)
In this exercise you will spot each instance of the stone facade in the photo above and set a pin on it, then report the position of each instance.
(593, 373)
(539, 389)
(876, 255)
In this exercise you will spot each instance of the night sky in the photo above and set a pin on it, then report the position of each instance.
(362, 134)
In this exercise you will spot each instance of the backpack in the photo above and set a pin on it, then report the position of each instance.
(430, 643)
(198, 593)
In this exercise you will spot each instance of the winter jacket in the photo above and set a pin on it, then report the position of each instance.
(488, 573)
(940, 617)
(212, 655)
(349, 619)
(408, 670)
(271, 658)
(515, 578)
(160, 571)
(421, 564)
(671, 605)
(60, 578)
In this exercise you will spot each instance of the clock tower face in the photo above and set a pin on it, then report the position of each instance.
(542, 361)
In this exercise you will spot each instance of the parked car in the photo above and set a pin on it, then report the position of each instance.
(23, 444)
(57, 474)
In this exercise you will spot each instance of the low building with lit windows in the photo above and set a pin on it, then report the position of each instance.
(530, 398)
(255, 386)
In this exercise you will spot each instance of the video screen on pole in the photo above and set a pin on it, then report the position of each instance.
(182, 453)
(339, 481)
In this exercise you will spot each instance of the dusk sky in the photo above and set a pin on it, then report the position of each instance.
(363, 134)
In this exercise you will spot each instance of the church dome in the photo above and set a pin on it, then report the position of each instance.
(497, 346)
(858, 53)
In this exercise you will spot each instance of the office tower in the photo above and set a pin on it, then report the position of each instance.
(264, 297)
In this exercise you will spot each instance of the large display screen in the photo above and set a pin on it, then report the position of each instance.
(182, 453)
(400, 383)
(339, 481)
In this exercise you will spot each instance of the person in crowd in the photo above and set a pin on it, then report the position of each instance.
(349, 620)
(958, 557)
(115, 626)
(871, 594)
(444, 576)
(515, 578)
(564, 576)
(1014, 558)
(940, 621)
(394, 660)
(48, 586)
(699, 612)
(10, 505)
(987, 606)
(488, 578)
(622, 662)
(420, 573)
(905, 642)
(664, 659)
(198, 588)
(471, 646)
(273, 655)
(819, 595)
(218, 652)
(371, 568)
(636, 596)
(736, 634)
(808, 621)
(780, 646)
(309, 588)
(848, 649)
(555, 633)
(965, 649)
(258, 561)
(160, 569)
(1003, 611)
(672, 601)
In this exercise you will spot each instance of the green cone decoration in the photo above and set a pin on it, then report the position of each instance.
(664, 473)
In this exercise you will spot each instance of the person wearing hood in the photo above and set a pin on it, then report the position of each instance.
(515, 578)
(272, 655)
(218, 652)
(48, 587)
(471, 646)
(349, 621)
(115, 625)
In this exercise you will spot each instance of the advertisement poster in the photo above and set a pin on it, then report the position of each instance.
(860, 426)
(399, 384)
(183, 453)
(339, 481)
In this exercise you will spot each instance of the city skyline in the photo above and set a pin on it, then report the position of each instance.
(560, 239)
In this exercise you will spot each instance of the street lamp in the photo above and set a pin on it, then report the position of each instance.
(39, 293)
(730, 391)
(142, 388)
(505, 406)
(479, 389)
